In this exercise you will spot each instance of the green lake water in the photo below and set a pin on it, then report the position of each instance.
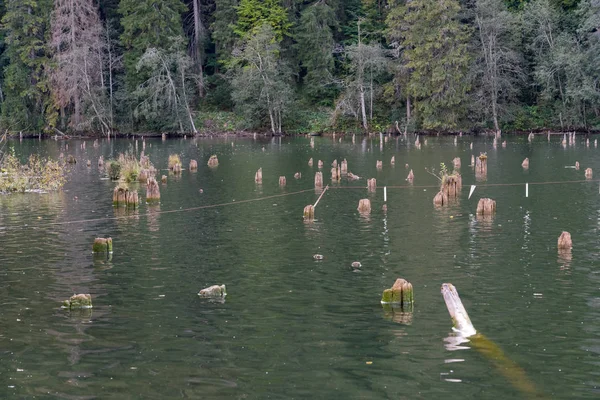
(292, 327)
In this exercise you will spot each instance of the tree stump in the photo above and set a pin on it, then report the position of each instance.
(401, 293)
(309, 212)
(564, 241)
(504, 144)
(352, 177)
(530, 137)
(101, 162)
(71, 159)
(88, 163)
(163, 179)
(310, 162)
(371, 184)
(122, 196)
(335, 174)
(379, 164)
(344, 167)
(411, 177)
(456, 162)
(173, 161)
(451, 185)
(364, 206)
(472, 160)
(282, 181)
(144, 161)
(298, 175)
(486, 207)
(102, 245)
(393, 160)
(78, 301)
(163, 137)
(152, 190)
(525, 163)
(258, 176)
(577, 165)
(334, 164)
(481, 166)
(212, 292)
(320, 164)
(588, 173)
(318, 179)
(143, 176)
(213, 161)
(440, 199)
(193, 165)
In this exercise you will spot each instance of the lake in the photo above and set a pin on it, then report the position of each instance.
(293, 327)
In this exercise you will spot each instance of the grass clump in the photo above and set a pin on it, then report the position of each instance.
(174, 160)
(125, 168)
(37, 174)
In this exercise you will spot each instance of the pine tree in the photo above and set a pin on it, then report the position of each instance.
(253, 14)
(26, 94)
(225, 18)
(436, 54)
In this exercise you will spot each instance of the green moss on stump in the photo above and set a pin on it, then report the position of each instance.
(102, 245)
(78, 301)
(400, 294)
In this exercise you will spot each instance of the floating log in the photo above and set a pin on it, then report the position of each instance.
(456, 162)
(258, 176)
(401, 293)
(393, 160)
(588, 173)
(344, 167)
(372, 184)
(282, 181)
(309, 212)
(298, 175)
(440, 199)
(193, 165)
(213, 292)
(319, 179)
(102, 245)
(564, 241)
(122, 196)
(411, 177)
(525, 163)
(364, 206)
(379, 164)
(310, 162)
(486, 207)
(320, 164)
(163, 179)
(213, 161)
(152, 189)
(78, 301)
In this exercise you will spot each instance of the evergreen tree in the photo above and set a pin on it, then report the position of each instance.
(26, 91)
(435, 52)
(225, 18)
(253, 14)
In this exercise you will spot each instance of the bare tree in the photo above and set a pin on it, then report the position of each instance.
(78, 47)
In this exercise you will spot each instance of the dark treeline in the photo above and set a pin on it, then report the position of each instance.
(298, 66)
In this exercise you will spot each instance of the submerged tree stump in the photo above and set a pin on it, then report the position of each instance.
(163, 179)
(334, 164)
(282, 181)
(88, 163)
(335, 175)
(456, 162)
(577, 165)
(564, 241)
(440, 199)
(504, 144)
(393, 160)
(486, 207)
(525, 163)
(364, 206)
(101, 162)
(530, 137)
(481, 166)
(588, 173)
(318, 179)
(78, 301)
(472, 160)
(176, 169)
(71, 159)
(298, 175)
(344, 167)
(309, 212)
(371, 184)
(213, 161)
(379, 164)
(320, 164)
(310, 162)
(173, 161)
(212, 292)
(352, 177)
(193, 165)
(258, 176)
(102, 245)
(411, 176)
(401, 293)
(122, 196)
(152, 190)
(451, 185)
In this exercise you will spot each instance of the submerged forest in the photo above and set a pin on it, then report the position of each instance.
(298, 66)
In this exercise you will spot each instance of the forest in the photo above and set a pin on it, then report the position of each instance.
(295, 66)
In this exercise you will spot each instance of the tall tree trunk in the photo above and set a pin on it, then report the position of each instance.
(363, 109)
(198, 43)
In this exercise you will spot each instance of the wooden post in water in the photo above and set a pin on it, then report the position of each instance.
(456, 162)
(379, 164)
(440, 199)
(122, 196)
(411, 177)
(309, 210)
(318, 180)
(258, 176)
(364, 206)
(213, 161)
(393, 160)
(525, 163)
(564, 241)
(282, 181)
(102, 245)
(588, 173)
(344, 167)
(486, 207)
(310, 162)
(320, 164)
(193, 165)
(400, 294)
(372, 184)
(152, 190)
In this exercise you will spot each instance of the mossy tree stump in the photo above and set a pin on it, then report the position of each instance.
(564, 241)
(401, 294)
(481, 166)
(152, 190)
(309, 212)
(372, 185)
(364, 206)
(174, 161)
(193, 165)
(78, 301)
(114, 170)
(71, 159)
(213, 161)
(258, 176)
(102, 245)
(318, 179)
(486, 207)
(122, 196)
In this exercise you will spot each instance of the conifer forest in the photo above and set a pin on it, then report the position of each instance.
(297, 66)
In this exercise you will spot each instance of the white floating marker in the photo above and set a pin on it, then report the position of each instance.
(471, 191)
(527, 190)
(385, 194)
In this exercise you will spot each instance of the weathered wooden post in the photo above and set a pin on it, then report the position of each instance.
(335, 174)
(298, 175)
(393, 160)
(472, 161)
(258, 176)
(400, 294)
(213, 161)
(481, 166)
(152, 190)
(564, 241)
(193, 165)
(364, 206)
(504, 144)
(318, 179)
(344, 169)
(411, 177)
(456, 162)
(102, 245)
(320, 164)
(577, 165)
(310, 162)
(334, 164)
(101, 162)
(379, 164)
(309, 210)
(588, 173)
(371, 184)
(163, 137)
(122, 196)
(530, 137)
(486, 207)
(525, 163)
(282, 181)
(163, 179)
